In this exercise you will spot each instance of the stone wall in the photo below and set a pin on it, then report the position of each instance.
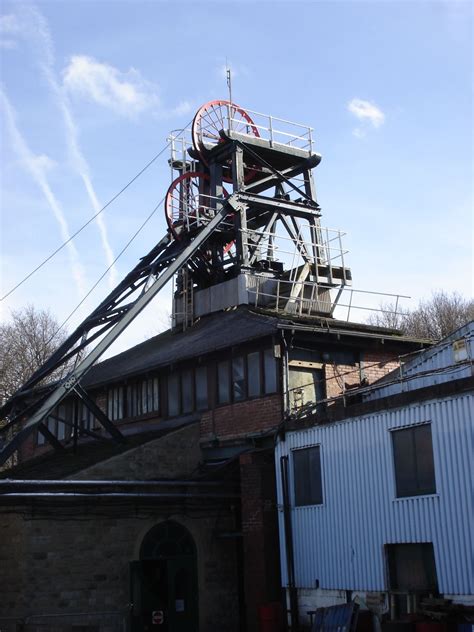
(173, 456)
(75, 559)
(60, 565)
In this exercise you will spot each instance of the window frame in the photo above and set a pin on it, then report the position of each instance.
(322, 502)
(230, 358)
(412, 493)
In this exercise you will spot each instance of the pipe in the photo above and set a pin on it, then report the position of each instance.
(107, 483)
(144, 495)
(290, 561)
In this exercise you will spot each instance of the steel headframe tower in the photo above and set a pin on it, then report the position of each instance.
(244, 228)
(272, 252)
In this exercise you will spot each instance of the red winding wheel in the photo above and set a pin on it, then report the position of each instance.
(187, 202)
(215, 116)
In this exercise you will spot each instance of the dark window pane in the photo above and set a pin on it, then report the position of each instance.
(173, 395)
(85, 417)
(144, 389)
(413, 460)
(187, 391)
(156, 394)
(61, 430)
(270, 366)
(201, 388)
(238, 379)
(51, 423)
(40, 440)
(412, 567)
(424, 459)
(404, 457)
(223, 390)
(253, 367)
(307, 476)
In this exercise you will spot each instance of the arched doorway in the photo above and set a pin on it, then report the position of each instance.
(164, 583)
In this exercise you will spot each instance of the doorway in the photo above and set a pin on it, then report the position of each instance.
(164, 586)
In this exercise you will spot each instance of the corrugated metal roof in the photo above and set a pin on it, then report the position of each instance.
(435, 365)
(341, 542)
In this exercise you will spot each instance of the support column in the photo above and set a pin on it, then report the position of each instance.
(260, 533)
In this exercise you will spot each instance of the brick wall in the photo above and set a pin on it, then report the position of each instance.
(260, 533)
(242, 418)
(377, 364)
(373, 366)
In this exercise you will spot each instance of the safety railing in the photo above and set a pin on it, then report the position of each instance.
(316, 244)
(304, 298)
(194, 210)
(277, 131)
(180, 140)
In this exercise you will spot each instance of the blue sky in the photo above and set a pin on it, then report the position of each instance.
(90, 91)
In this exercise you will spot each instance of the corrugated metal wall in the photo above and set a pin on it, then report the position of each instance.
(341, 543)
(438, 361)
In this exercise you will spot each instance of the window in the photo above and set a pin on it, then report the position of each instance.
(307, 476)
(173, 395)
(141, 398)
(201, 388)
(238, 379)
(40, 440)
(413, 461)
(58, 423)
(306, 387)
(223, 390)
(115, 402)
(85, 417)
(253, 371)
(61, 427)
(411, 567)
(270, 366)
(187, 391)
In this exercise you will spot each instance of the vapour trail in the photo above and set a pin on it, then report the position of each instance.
(45, 60)
(36, 165)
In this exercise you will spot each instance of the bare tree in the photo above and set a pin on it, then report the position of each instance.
(26, 341)
(433, 319)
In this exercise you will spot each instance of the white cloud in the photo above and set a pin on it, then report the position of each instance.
(9, 28)
(126, 93)
(183, 107)
(9, 23)
(358, 132)
(366, 111)
(40, 38)
(38, 165)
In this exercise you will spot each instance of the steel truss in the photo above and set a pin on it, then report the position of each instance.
(214, 234)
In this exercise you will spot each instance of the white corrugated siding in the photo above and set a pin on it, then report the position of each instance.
(438, 362)
(341, 543)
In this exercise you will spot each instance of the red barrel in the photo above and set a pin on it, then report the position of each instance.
(270, 617)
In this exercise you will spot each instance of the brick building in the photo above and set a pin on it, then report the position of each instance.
(145, 489)
(199, 411)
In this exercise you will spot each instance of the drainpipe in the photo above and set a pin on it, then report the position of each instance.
(290, 560)
(286, 378)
